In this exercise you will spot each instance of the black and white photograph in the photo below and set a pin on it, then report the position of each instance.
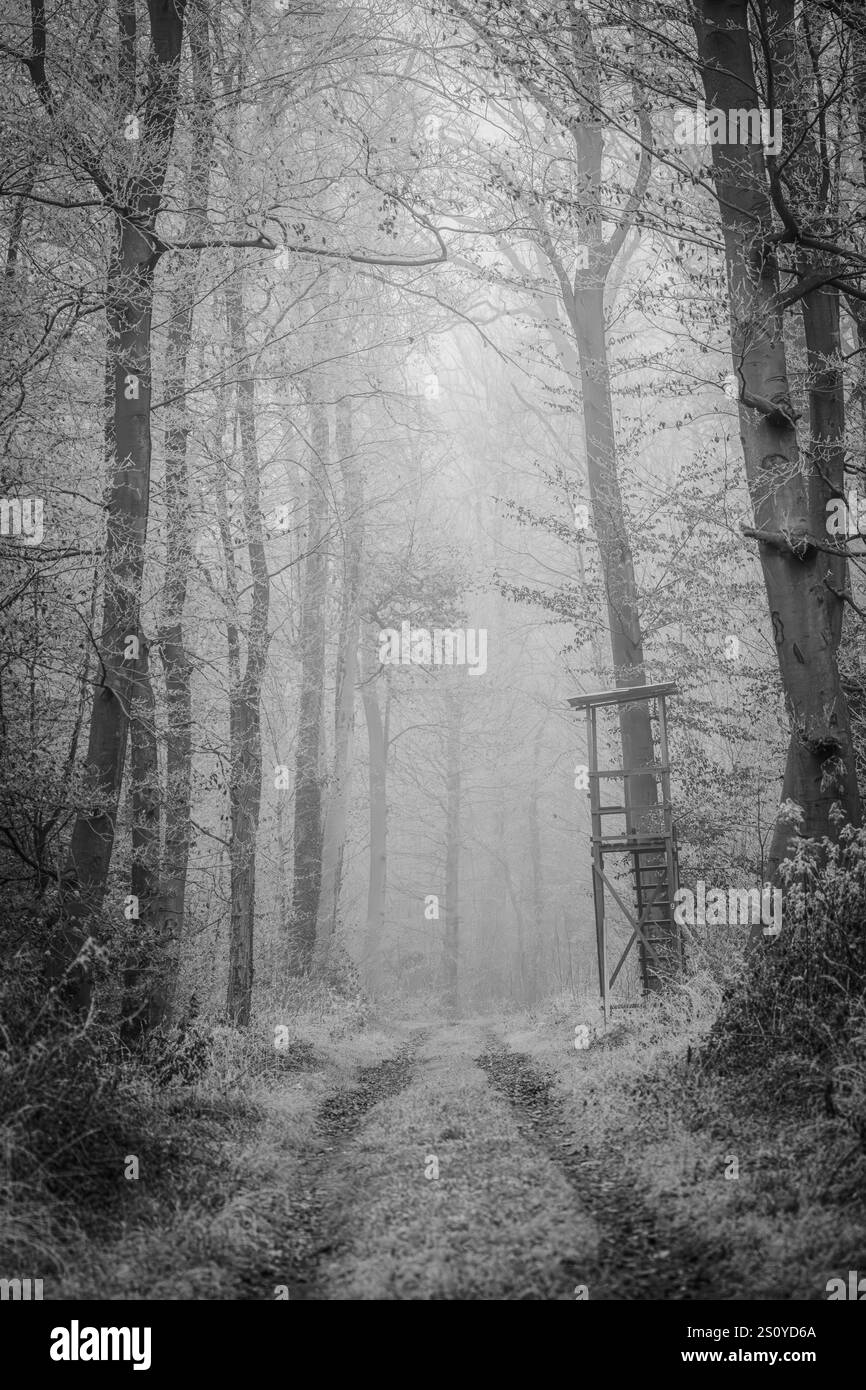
(432, 669)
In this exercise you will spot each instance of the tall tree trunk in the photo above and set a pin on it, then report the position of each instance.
(537, 880)
(495, 934)
(856, 308)
(451, 953)
(787, 495)
(825, 463)
(245, 788)
(583, 299)
(307, 872)
(346, 679)
(586, 313)
(145, 967)
(172, 645)
(377, 739)
(129, 299)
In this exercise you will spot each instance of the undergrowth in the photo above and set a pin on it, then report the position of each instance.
(82, 1115)
(792, 1025)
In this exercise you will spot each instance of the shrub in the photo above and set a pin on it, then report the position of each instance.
(797, 1008)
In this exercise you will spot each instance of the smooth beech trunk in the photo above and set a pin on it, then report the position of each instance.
(535, 859)
(377, 740)
(334, 837)
(585, 356)
(787, 492)
(451, 945)
(307, 870)
(582, 296)
(145, 965)
(820, 319)
(245, 786)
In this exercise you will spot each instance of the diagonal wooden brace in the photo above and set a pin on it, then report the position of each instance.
(636, 924)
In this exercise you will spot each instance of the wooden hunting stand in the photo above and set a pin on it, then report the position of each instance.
(648, 839)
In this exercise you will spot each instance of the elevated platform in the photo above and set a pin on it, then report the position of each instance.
(649, 839)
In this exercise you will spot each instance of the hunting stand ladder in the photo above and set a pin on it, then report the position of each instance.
(648, 839)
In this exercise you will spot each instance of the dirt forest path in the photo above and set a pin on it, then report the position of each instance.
(484, 1159)
(450, 1170)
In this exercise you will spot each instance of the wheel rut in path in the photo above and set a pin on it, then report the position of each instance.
(310, 1229)
(640, 1255)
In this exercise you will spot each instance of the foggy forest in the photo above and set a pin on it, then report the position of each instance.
(432, 666)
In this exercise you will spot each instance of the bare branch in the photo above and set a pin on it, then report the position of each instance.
(788, 543)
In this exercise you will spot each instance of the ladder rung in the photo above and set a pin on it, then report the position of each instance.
(622, 844)
(628, 771)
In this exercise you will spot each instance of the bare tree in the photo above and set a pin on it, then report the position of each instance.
(334, 834)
